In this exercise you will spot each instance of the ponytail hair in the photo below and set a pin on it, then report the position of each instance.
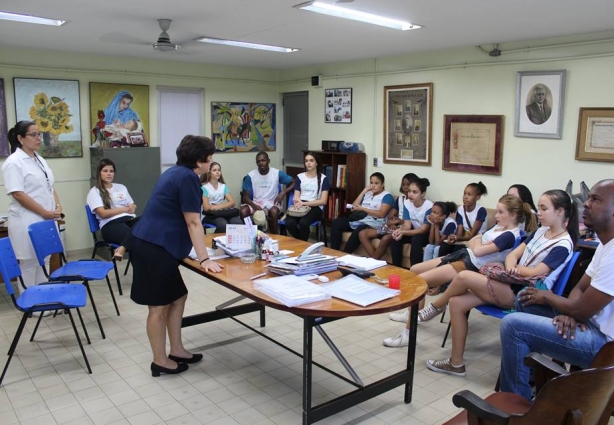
(204, 178)
(422, 184)
(560, 199)
(522, 210)
(20, 129)
(479, 187)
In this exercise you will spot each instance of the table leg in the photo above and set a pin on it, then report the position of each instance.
(411, 351)
(307, 353)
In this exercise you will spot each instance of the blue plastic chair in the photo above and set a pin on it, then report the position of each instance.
(498, 312)
(46, 241)
(100, 243)
(318, 224)
(40, 298)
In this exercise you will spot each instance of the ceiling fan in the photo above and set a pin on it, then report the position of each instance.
(164, 43)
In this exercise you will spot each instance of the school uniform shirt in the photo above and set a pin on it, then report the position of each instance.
(417, 215)
(374, 202)
(478, 214)
(601, 270)
(215, 196)
(448, 227)
(265, 188)
(308, 186)
(119, 198)
(399, 203)
(555, 253)
(504, 240)
(33, 177)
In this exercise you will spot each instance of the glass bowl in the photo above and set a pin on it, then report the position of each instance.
(248, 258)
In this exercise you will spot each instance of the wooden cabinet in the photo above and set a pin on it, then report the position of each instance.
(347, 174)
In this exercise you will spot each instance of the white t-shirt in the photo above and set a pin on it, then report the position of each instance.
(601, 270)
(417, 215)
(119, 198)
(504, 248)
(400, 201)
(265, 188)
(539, 248)
(216, 196)
(478, 212)
(25, 174)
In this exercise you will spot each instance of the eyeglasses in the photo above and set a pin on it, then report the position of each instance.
(35, 135)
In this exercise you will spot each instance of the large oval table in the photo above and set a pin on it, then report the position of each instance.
(236, 276)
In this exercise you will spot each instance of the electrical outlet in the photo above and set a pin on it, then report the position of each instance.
(377, 162)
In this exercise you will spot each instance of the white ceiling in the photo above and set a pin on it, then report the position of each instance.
(128, 27)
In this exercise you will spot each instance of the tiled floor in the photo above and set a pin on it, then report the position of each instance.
(244, 379)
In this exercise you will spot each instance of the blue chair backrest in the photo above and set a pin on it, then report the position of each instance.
(290, 199)
(92, 220)
(45, 239)
(561, 281)
(520, 239)
(9, 267)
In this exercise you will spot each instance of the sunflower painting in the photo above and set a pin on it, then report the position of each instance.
(54, 106)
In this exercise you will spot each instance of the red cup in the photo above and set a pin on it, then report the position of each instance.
(394, 281)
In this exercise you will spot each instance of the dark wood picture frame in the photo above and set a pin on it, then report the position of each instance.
(408, 123)
(473, 143)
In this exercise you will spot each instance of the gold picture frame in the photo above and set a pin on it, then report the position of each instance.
(595, 135)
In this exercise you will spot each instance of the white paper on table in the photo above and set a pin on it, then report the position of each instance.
(353, 289)
(361, 262)
(291, 290)
(212, 254)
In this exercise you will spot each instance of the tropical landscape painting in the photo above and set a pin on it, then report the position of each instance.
(243, 127)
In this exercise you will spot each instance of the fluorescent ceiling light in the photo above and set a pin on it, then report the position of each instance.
(246, 45)
(8, 16)
(356, 15)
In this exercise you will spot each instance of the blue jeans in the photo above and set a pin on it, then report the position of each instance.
(523, 333)
(431, 251)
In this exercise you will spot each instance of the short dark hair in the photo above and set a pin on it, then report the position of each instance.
(20, 129)
(193, 149)
(262, 153)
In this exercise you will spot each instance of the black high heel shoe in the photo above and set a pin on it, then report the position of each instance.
(194, 359)
(156, 370)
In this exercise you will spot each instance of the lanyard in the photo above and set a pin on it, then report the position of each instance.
(42, 167)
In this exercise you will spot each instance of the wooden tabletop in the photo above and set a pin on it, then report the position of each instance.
(236, 276)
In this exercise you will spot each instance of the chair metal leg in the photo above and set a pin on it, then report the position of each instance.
(89, 292)
(323, 230)
(38, 322)
(112, 295)
(119, 284)
(442, 316)
(72, 322)
(22, 324)
(87, 337)
(127, 267)
(448, 330)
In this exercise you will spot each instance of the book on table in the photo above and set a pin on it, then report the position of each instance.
(357, 262)
(291, 290)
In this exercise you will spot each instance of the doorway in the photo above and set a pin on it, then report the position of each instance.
(296, 130)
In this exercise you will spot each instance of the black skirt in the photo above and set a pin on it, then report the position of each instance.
(156, 279)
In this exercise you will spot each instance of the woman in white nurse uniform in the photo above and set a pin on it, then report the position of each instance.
(29, 182)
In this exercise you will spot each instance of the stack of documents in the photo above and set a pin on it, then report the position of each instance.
(356, 262)
(291, 290)
(313, 264)
(233, 252)
(211, 253)
(358, 291)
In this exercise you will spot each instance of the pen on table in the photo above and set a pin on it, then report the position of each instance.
(263, 274)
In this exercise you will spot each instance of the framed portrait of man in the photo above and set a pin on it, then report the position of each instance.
(540, 97)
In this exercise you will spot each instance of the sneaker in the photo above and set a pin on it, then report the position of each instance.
(400, 316)
(401, 340)
(429, 312)
(445, 366)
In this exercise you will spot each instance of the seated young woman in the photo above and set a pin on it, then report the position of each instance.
(538, 260)
(375, 204)
(415, 227)
(113, 207)
(393, 221)
(310, 189)
(491, 247)
(217, 197)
